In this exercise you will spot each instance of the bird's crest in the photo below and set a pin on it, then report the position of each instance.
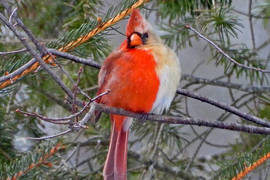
(136, 23)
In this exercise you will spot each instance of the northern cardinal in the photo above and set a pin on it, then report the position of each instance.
(142, 76)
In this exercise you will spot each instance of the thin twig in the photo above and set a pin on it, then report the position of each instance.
(252, 15)
(215, 82)
(197, 150)
(251, 26)
(51, 120)
(75, 126)
(51, 136)
(220, 118)
(157, 139)
(62, 118)
(65, 72)
(12, 14)
(13, 52)
(75, 88)
(207, 133)
(225, 54)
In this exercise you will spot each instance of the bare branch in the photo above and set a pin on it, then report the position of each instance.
(51, 120)
(185, 120)
(18, 71)
(12, 14)
(57, 120)
(13, 52)
(75, 126)
(248, 117)
(76, 59)
(50, 137)
(75, 88)
(240, 87)
(252, 15)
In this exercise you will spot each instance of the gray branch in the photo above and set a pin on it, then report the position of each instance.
(231, 109)
(240, 87)
(76, 59)
(185, 120)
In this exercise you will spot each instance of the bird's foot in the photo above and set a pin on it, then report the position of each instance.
(144, 117)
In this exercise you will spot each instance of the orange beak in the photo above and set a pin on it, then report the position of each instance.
(135, 40)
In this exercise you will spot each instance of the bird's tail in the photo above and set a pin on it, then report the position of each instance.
(115, 167)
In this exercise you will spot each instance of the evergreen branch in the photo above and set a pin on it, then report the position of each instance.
(36, 56)
(10, 78)
(30, 161)
(101, 26)
(185, 120)
(71, 45)
(252, 167)
(225, 54)
(42, 160)
(258, 155)
(19, 22)
(251, 26)
(170, 119)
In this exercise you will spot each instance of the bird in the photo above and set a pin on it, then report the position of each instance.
(141, 76)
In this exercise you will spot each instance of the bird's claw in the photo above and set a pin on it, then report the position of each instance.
(144, 118)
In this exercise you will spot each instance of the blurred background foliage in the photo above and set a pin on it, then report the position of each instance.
(57, 22)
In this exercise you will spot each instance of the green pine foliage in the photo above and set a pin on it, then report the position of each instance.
(232, 168)
(56, 23)
(30, 162)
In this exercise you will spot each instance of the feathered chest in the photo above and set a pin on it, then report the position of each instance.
(140, 80)
(131, 76)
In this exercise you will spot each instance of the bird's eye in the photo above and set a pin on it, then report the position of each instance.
(145, 35)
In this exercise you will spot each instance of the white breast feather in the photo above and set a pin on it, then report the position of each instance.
(169, 72)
